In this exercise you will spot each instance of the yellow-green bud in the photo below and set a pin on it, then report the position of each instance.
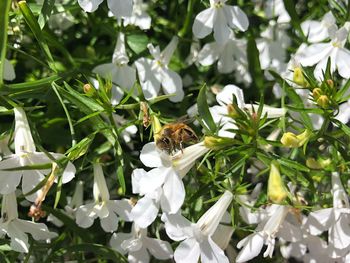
(232, 111)
(276, 192)
(330, 83)
(298, 77)
(289, 139)
(323, 101)
(316, 93)
(216, 143)
(157, 127)
(313, 164)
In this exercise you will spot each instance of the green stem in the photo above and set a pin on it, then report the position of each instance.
(188, 20)
(4, 19)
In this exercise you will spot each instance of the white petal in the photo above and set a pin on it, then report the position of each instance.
(339, 234)
(105, 70)
(177, 227)
(30, 179)
(136, 176)
(169, 50)
(290, 232)
(158, 248)
(120, 8)
(84, 217)
(149, 83)
(203, 23)
(150, 155)
(314, 30)
(139, 256)
(154, 179)
(9, 71)
(319, 221)
(212, 253)
(342, 62)
(209, 54)
(145, 212)
(117, 239)
(39, 231)
(226, 63)
(315, 53)
(110, 223)
(121, 207)
(9, 180)
(221, 29)
(225, 96)
(173, 193)
(236, 17)
(116, 95)
(89, 5)
(187, 251)
(172, 84)
(19, 240)
(252, 246)
(125, 77)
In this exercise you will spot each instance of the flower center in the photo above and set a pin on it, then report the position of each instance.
(218, 5)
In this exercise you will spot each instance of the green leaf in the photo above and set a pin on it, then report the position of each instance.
(4, 18)
(137, 42)
(342, 126)
(80, 148)
(35, 28)
(254, 64)
(292, 164)
(45, 12)
(203, 110)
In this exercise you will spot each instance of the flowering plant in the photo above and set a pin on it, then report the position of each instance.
(179, 131)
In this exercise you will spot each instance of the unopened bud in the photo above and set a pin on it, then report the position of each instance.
(316, 93)
(323, 101)
(216, 143)
(157, 127)
(88, 89)
(298, 77)
(289, 139)
(276, 191)
(313, 164)
(330, 83)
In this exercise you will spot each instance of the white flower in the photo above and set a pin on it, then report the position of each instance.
(122, 76)
(138, 246)
(72, 205)
(334, 50)
(119, 8)
(155, 72)
(335, 220)
(219, 18)
(139, 16)
(275, 8)
(109, 211)
(26, 154)
(230, 55)
(317, 31)
(162, 186)
(272, 47)
(16, 228)
(220, 112)
(196, 238)
(9, 71)
(273, 224)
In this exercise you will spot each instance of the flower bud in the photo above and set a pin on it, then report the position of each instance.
(298, 77)
(231, 111)
(276, 191)
(316, 93)
(313, 164)
(289, 139)
(216, 143)
(157, 127)
(323, 101)
(88, 89)
(330, 83)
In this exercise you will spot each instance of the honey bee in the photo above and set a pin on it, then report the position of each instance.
(174, 136)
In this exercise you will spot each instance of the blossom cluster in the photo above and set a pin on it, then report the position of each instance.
(93, 137)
